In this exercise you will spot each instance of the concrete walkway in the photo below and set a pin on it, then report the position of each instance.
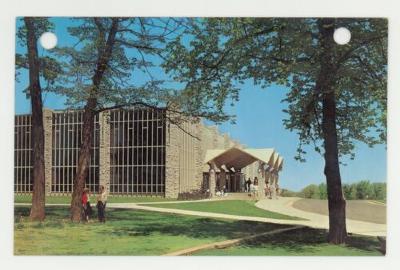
(283, 205)
(147, 207)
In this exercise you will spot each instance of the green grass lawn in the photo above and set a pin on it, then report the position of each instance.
(230, 207)
(126, 232)
(132, 232)
(18, 198)
(302, 242)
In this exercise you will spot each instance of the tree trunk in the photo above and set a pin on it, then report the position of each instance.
(88, 116)
(37, 132)
(324, 86)
(336, 202)
(84, 158)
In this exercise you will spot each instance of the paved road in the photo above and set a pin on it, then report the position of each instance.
(284, 205)
(362, 210)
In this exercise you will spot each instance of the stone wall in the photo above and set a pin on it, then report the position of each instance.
(172, 176)
(251, 171)
(104, 150)
(48, 153)
(185, 155)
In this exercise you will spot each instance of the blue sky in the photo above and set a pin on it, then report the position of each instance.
(258, 125)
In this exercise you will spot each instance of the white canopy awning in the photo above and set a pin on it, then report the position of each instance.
(238, 158)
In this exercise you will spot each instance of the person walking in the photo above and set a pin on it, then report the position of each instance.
(101, 204)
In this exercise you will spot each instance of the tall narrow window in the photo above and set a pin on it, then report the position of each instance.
(67, 139)
(136, 141)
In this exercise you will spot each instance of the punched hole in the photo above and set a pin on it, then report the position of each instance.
(342, 36)
(48, 40)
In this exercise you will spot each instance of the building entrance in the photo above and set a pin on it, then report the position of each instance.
(233, 182)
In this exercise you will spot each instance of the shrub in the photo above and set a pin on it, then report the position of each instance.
(289, 193)
(194, 195)
(311, 192)
(323, 191)
(349, 191)
(361, 190)
(364, 190)
(379, 191)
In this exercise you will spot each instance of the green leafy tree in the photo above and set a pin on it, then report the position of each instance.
(322, 191)
(349, 191)
(337, 92)
(379, 191)
(112, 65)
(364, 190)
(311, 192)
(289, 193)
(40, 68)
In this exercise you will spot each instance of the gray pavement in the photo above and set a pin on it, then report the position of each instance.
(284, 205)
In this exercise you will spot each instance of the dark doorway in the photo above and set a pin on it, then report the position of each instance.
(232, 181)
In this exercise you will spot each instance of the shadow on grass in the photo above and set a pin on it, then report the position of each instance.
(141, 223)
(124, 222)
(306, 240)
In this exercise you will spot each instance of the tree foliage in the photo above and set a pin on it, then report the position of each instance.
(104, 70)
(323, 191)
(311, 192)
(224, 52)
(361, 190)
(49, 67)
(349, 191)
(337, 92)
(132, 76)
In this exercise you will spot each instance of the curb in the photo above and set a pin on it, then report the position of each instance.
(227, 243)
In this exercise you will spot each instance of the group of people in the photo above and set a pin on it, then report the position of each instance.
(251, 186)
(101, 199)
(221, 192)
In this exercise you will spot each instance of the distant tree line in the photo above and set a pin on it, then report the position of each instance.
(362, 190)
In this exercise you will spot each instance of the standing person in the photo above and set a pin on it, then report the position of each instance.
(84, 200)
(101, 204)
(248, 183)
(88, 206)
(255, 187)
(252, 190)
(269, 191)
(256, 181)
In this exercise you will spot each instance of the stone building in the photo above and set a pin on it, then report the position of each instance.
(139, 152)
